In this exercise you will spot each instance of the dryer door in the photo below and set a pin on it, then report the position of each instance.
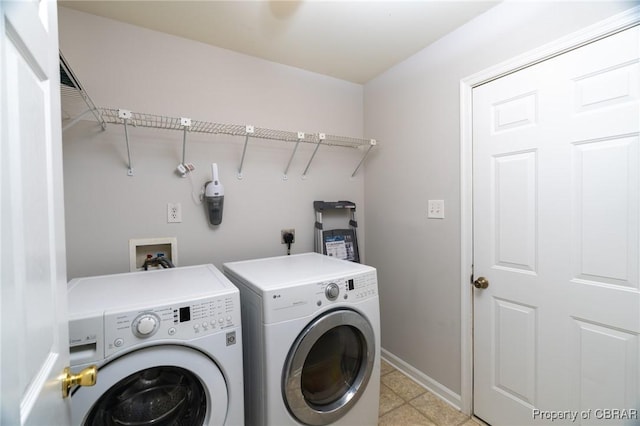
(329, 366)
(159, 385)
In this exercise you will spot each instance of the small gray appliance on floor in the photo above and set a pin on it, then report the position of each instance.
(167, 344)
(311, 340)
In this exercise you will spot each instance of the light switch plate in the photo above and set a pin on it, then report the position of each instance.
(436, 209)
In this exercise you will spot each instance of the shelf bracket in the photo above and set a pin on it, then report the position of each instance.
(321, 137)
(249, 131)
(125, 115)
(75, 120)
(184, 168)
(295, 148)
(372, 143)
(185, 123)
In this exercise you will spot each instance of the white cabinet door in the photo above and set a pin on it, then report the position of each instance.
(34, 340)
(556, 234)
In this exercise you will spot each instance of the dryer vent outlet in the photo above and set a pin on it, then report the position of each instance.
(285, 232)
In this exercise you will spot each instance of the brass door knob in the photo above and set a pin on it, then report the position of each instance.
(86, 377)
(481, 283)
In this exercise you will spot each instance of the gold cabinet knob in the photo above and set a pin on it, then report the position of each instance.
(481, 283)
(86, 377)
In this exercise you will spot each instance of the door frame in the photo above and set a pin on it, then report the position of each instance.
(605, 28)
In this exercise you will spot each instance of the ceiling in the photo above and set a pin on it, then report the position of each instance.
(352, 40)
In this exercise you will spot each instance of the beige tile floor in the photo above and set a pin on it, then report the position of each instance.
(403, 402)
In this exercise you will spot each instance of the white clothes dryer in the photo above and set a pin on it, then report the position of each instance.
(167, 344)
(311, 340)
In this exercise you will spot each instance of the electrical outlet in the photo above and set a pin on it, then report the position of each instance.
(287, 231)
(174, 213)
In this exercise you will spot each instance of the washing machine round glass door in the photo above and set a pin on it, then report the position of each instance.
(328, 367)
(159, 385)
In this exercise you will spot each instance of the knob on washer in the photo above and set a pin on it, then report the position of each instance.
(145, 325)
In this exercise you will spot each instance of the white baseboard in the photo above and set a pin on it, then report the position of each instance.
(436, 388)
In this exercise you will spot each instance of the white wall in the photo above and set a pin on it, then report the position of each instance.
(124, 66)
(414, 108)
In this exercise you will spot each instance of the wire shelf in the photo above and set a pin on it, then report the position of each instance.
(76, 104)
(111, 116)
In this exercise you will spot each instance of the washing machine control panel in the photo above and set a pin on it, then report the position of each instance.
(179, 321)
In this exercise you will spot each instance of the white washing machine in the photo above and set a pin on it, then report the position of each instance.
(167, 344)
(311, 340)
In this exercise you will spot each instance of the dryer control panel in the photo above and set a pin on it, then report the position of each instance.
(301, 300)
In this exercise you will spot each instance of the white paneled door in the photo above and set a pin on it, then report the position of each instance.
(34, 339)
(556, 236)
